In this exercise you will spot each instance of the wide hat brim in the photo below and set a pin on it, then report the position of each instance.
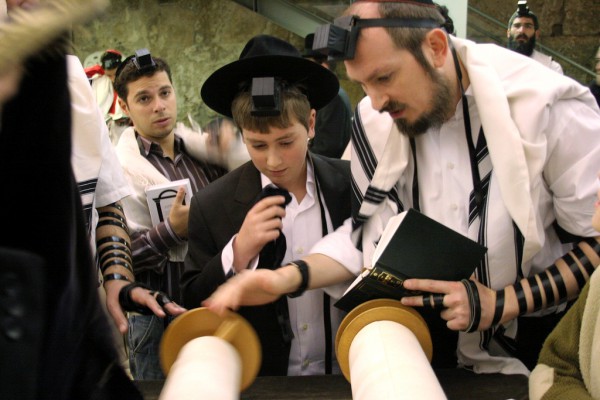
(219, 90)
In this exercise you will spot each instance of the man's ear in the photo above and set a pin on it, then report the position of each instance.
(311, 123)
(436, 41)
(537, 34)
(507, 33)
(123, 106)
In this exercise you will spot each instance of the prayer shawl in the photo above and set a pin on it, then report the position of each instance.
(95, 165)
(141, 173)
(512, 96)
(86, 155)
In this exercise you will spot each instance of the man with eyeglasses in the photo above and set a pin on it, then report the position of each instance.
(522, 34)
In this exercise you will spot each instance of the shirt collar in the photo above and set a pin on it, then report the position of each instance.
(147, 146)
(310, 179)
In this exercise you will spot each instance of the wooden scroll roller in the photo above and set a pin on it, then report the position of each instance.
(208, 357)
(384, 350)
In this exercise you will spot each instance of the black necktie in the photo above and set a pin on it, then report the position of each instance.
(272, 254)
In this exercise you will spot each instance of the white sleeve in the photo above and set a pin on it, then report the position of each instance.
(227, 259)
(112, 184)
(338, 245)
(573, 162)
(92, 153)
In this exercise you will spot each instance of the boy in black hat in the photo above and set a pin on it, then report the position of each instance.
(236, 226)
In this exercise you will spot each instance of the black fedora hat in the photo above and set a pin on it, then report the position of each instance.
(268, 56)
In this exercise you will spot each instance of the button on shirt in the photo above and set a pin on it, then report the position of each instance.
(447, 177)
(302, 229)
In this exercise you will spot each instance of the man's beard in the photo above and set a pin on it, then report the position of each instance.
(525, 48)
(442, 108)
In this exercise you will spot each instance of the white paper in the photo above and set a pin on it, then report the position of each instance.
(161, 197)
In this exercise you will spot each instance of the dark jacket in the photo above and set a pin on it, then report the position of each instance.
(333, 127)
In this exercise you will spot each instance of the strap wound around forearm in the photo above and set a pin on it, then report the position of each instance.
(108, 239)
(109, 214)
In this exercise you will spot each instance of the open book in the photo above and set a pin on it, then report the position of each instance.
(413, 246)
(161, 197)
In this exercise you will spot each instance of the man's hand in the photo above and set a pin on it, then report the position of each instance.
(179, 214)
(112, 289)
(251, 288)
(456, 308)
(139, 295)
(261, 225)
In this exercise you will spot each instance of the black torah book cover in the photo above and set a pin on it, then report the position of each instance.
(413, 246)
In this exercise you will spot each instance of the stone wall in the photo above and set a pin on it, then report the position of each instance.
(569, 27)
(198, 36)
(195, 37)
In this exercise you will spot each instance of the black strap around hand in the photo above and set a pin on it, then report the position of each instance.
(127, 304)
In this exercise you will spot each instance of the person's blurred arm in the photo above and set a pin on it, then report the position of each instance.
(558, 373)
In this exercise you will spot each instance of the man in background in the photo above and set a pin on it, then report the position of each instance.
(102, 78)
(523, 32)
(334, 121)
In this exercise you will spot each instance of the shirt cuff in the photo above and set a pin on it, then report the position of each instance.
(227, 259)
(164, 237)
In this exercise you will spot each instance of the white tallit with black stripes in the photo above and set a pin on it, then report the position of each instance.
(516, 94)
(99, 176)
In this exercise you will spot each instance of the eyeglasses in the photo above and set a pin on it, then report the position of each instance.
(526, 25)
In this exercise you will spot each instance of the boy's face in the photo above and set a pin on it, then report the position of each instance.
(280, 154)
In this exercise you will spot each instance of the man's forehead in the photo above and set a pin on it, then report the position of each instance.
(523, 20)
(364, 10)
(158, 81)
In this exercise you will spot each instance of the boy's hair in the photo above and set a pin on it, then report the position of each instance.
(129, 72)
(294, 107)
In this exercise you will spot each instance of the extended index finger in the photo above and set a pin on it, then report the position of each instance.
(430, 285)
(180, 196)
